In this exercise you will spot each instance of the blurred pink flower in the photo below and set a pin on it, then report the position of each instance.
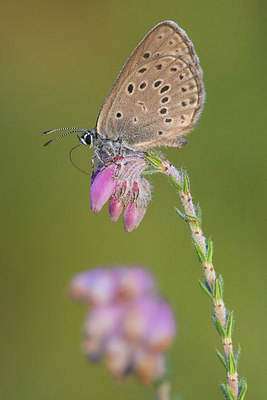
(129, 325)
(96, 286)
(119, 357)
(104, 285)
(134, 281)
(150, 366)
(120, 180)
(150, 320)
(102, 323)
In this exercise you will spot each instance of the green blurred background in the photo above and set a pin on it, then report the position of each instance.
(58, 61)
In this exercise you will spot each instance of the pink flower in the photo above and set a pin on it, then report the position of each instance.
(150, 320)
(102, 324)
(115, 208)
(133, 282)
(102, 186)
(129, 325)
(120, 181)
(119, 357)
(104, 285)
(162, 329)
(96, 286)
(149, 366)
(132, 216)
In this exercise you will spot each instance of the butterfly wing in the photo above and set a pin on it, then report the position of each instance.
(158, 95)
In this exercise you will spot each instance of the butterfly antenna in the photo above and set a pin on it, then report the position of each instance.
(59, 129)
(59, 137)
(80, 144)
(72, 130)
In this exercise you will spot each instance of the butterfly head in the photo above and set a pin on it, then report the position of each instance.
(87, 138)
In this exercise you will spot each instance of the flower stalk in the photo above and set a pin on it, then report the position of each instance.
(164, 391)
(213, 286)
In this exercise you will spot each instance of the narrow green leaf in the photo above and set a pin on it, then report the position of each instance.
(175, 183)
(199, 214)
(230, 393)
(221, 284)
(191, 218)
(213, 317)
(206, 289)
(217, 290)
(243, 392)
(242, 389)
(185, 182)
(153, 152)
(220, 327)
(200, 254)
(210, 251)
(181, 215)
(237, 355)
(230, 325)
(150, 172)
(224, 391)
(231, 364)
(153, 159)
(241, 382)
(221, 358)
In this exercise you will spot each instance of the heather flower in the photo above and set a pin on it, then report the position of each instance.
(120, 181)
(134, 281)
(96, 286)
(101, 324)
(150, 366)
(104, 321)
(150, 320)
(115, 209)
(132, 216)
(104, 285)
(102, 186)
(119, 357)
(129, 326)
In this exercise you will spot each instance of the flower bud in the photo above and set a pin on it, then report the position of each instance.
(129, 325)
(134, 281)
(93, 348)
(119, 357)
(97, 286)
(115, 208)
(162, 328)
(120, 179)
(149, 366)
(133, 215)
(102, 187)
(150, 320)
(103, 322)
(138, 318)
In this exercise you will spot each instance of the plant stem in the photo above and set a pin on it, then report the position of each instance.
(164, 391)
(213, 285)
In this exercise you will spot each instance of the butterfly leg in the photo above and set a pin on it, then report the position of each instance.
(93, 162)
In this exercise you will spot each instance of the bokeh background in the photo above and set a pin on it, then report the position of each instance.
(58, 61)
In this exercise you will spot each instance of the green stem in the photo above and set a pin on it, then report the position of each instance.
(164, 391)
(213, 285)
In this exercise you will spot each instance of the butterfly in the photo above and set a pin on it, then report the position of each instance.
(156, 99)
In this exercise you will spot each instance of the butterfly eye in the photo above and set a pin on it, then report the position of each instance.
(86, 139)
